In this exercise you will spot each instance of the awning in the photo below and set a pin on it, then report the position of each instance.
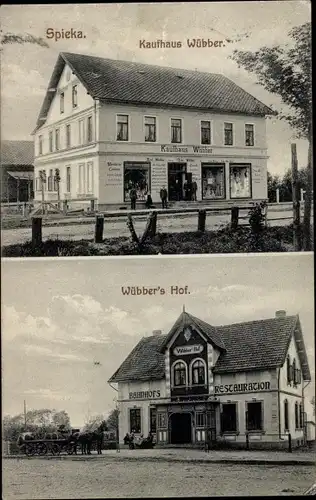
(22, 176)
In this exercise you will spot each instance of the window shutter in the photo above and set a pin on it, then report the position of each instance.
(247, 419)
(291, 373)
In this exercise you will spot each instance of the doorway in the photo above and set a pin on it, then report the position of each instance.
(176, 176)
(181, 428)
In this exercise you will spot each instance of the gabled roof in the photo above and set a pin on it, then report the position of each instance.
(186, 319)
(137, 83)
(17, 153)
(253, 345)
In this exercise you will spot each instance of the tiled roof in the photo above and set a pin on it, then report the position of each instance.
(254, 345)
(137, 83)
(17, 152)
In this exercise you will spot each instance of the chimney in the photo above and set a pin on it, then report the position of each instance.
(280, 314)
(157, 332)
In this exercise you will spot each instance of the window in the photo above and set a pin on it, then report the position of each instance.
(62, 102)
(81, 132)
(150, 129)
(205, 132)
(200, 419)
(68, 136)
(152, 420)
(68, 179)
(82, 180)
(40, 145)
(57, 145)
(162, 420)
(90, 177)
(213, 181)
(38, 184)
(289, 370)
(122, 128)
(228, 134)
(297, 378)
(75, 96)
(198, 372)
(286, 415)
(301, 416)
(51, 141)
(229, 417)
(254, 416)
(135, 420)
(89, 129)
(297, 423)
(137, 176)
(50, 180)
(249, 135)
(176, 130)
(240, 184)
(179, 374)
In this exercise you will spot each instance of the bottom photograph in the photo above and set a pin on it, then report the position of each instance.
(159, 377)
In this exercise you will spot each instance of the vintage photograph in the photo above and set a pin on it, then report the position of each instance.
(199, 370)
(172, 128)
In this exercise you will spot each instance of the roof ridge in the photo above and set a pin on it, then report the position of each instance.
(259, 320)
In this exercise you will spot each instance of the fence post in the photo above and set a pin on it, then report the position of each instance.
(65, 206)
(201, 220)
(36, 231)
(153, 229)
(99, 226)
(277, 195)
(296, 204)
(290, 443)
(247, 442)
(234, 217)
(92, 206)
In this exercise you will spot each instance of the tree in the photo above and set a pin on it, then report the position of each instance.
(273, 185)
(113, 420)
(286, 72)
(12, 38)
(39, 421)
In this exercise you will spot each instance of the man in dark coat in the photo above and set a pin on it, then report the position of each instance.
(133, 198)
(163, 196)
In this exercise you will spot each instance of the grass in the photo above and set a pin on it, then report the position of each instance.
(225, 240)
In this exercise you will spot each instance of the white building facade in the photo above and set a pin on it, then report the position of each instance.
(203, 387)
(105, 144)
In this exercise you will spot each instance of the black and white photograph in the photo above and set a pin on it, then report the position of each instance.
(159, 383)
(168, 128)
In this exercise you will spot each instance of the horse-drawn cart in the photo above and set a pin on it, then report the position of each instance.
(47, 446)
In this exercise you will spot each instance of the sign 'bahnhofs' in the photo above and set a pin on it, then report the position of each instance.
(164, 148)
(144, 394)
(250, 387)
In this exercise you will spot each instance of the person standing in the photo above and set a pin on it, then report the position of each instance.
(133, 198)
(194, 190)
(163, 196)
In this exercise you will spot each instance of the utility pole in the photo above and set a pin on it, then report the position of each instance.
(25, 414)
(296, 203)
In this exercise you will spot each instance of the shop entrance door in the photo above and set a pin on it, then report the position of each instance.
(176, 176)
(181, 428)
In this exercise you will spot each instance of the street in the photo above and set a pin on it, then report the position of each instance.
(104, 478)
(117, 227)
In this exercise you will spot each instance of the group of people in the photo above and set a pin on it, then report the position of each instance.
(139, 442)
(149, 201)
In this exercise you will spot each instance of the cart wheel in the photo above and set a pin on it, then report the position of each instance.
(30, 450)
(55, 448)
(41, 449)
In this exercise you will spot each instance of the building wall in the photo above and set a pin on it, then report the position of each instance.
(126, 402)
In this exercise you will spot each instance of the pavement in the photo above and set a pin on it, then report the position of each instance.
(299, 457)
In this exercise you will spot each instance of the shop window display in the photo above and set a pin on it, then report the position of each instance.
(213, 185)
(240, 186)
(136, 175)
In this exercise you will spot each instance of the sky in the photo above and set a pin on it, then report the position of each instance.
(61, 316)
(114, 31)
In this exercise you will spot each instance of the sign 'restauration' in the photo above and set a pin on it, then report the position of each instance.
(189, 349)
(250, 387)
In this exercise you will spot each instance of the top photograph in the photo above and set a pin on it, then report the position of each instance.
(152, 129)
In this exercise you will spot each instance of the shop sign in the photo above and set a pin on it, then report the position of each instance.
(144, 394)
(250, 387)
(164, 148)
(190, 349)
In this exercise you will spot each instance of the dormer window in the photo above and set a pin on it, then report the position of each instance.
(198, 372)
(180, 374)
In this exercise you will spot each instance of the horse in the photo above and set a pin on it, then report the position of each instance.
(87, 438)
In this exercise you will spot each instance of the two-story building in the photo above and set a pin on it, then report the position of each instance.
(112, 125)
(218, 384)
